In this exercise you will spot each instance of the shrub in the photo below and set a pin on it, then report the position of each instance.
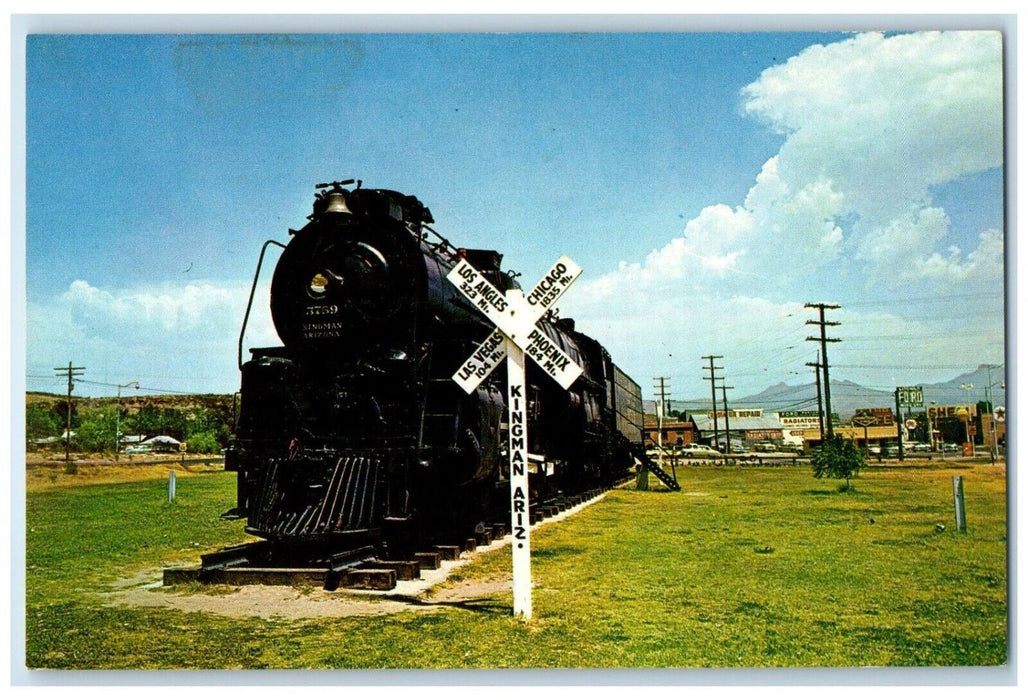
(203, 443)
(838, 458)
(41, 422)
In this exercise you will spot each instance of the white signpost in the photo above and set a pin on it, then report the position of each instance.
(516, 335)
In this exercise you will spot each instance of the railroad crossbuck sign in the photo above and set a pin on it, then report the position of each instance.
(516, 335)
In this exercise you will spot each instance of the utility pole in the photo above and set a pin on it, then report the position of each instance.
(728, 429)
(662, 389)
(899, 423)
(824, 340)
(71, 372)
(117, 419)
(993, 447)
(817, 383)
(713, 391)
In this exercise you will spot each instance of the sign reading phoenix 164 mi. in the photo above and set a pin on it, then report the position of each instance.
(515, 315)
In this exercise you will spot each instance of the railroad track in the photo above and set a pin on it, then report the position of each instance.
(361, 568)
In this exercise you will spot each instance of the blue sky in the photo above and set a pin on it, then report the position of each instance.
(708, 183)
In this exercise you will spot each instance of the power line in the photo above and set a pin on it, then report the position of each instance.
(151, 390)
(147, 389)
(947, 298)
(909, 367)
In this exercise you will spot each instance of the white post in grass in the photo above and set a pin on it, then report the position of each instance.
(516, 336)
(517, 444)
(958, 503)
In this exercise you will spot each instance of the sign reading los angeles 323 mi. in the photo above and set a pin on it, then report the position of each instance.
(515, 315)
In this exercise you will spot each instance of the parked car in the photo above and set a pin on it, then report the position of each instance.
(921, 447)
(695, 450)
(950, 447)
(137, 450)
(737, 445)
(892, 451)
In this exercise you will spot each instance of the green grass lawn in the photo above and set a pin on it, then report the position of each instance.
(750, 567)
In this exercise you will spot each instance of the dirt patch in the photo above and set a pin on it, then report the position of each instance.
(292, 603)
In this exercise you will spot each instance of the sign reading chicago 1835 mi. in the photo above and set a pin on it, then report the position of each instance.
(910, 396)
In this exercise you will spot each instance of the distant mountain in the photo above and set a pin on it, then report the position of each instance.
(950, 392)
(847, 396)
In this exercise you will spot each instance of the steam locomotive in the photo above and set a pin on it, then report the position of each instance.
(352, 432)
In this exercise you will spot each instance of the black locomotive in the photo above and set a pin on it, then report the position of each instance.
(353, 432)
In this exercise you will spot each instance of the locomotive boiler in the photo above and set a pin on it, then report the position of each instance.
(352, 431)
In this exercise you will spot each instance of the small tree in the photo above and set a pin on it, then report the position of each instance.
(203, 443)
(837, 459)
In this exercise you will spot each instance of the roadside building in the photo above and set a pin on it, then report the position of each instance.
(873, 437)
(796, 423)
(957, 423)
(994, 432)
(674, 432)
(162, 443)
(748, 426)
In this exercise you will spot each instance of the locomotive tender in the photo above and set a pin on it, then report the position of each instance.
(353, 432)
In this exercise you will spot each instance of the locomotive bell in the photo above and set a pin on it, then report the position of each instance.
(335, 203)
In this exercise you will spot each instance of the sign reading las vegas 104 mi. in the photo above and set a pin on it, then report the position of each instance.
(516, 335)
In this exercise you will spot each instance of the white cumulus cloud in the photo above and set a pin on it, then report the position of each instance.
(881, 120)
(870, 125)
(177, 337)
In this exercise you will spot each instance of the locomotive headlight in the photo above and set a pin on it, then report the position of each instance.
(318, 286)
(322, 282)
